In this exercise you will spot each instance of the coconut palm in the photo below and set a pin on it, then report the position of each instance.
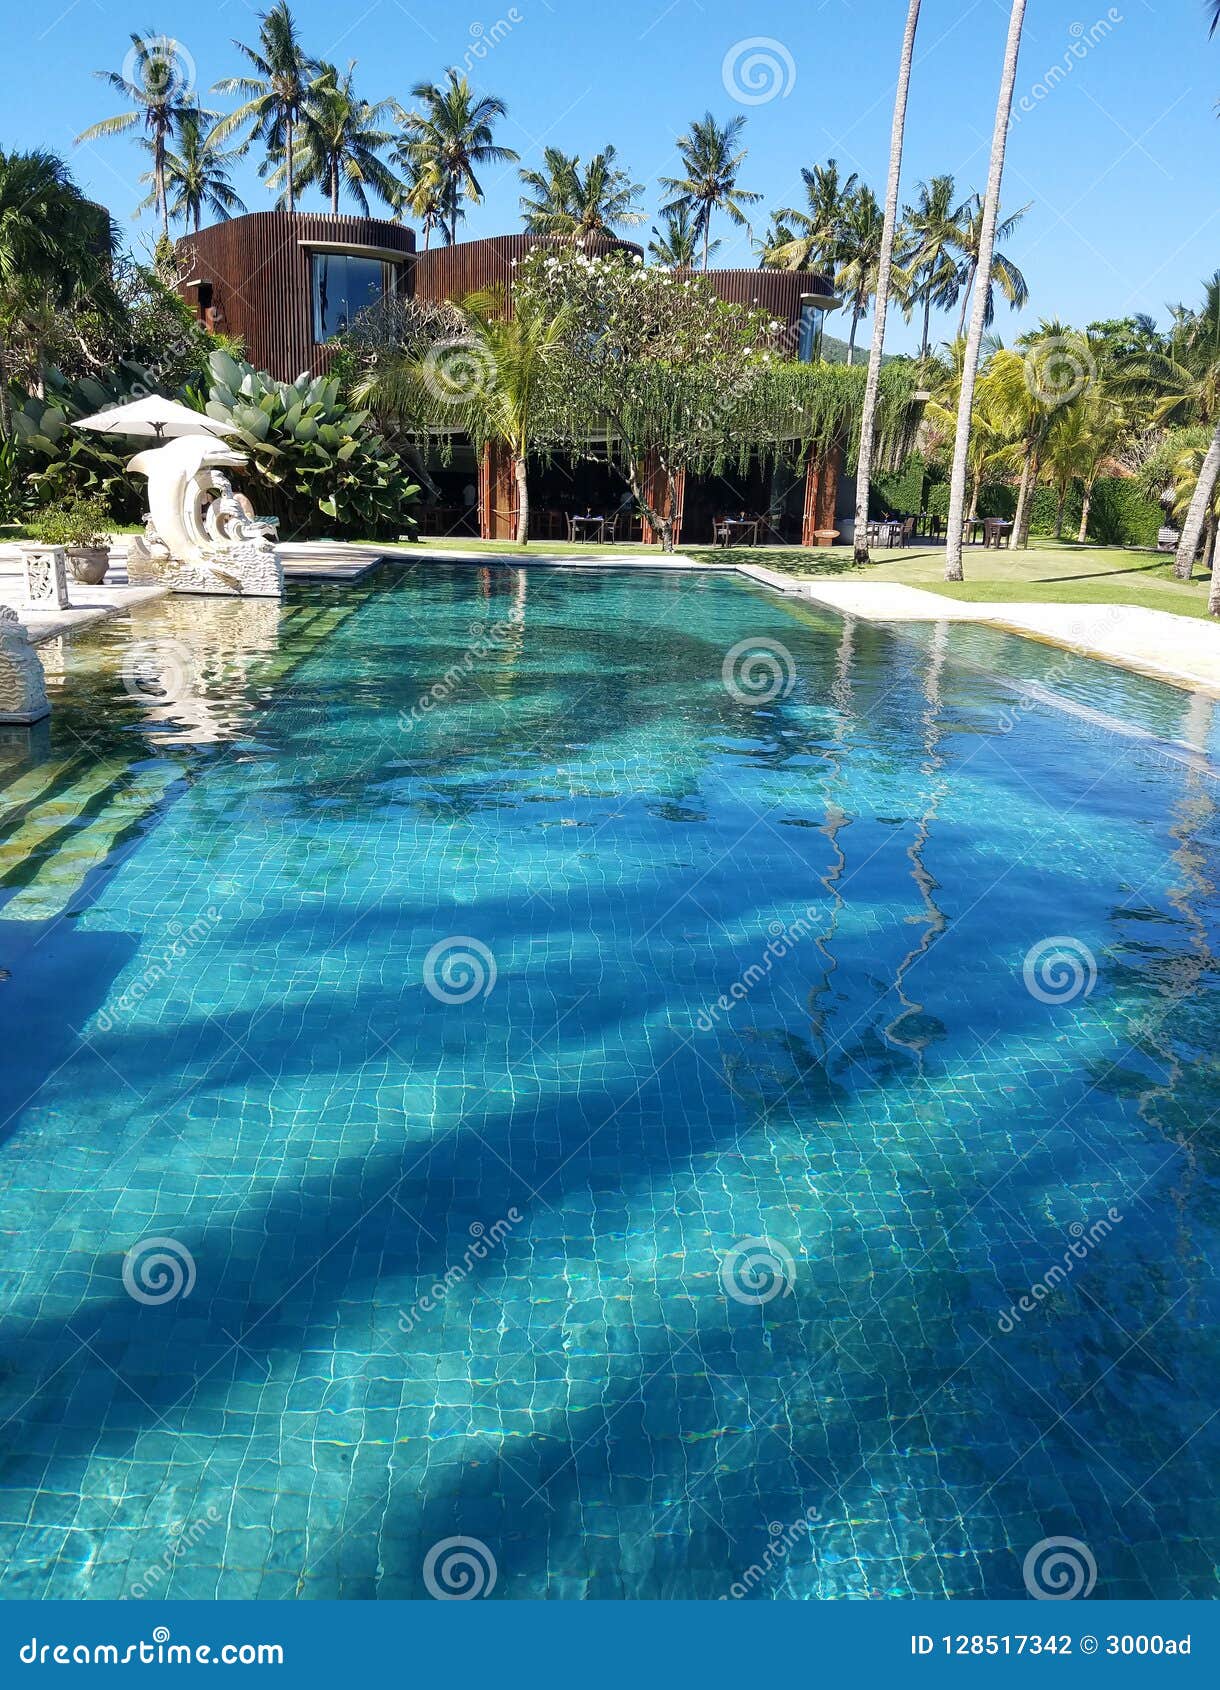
(982, 292)
(197, 176)
(448, 141)
(884, 273)
(1031, 394)
(580, 205)
(275, 93)
(56, 249)
(815, 235)
(931, 238)
(676, 243)
(1004, 274)
(860, 247)
(339, 142)
(487, 382)
(1081, 443)
(159, 98)
(1187, 380)
(712, 161)
(421, 194)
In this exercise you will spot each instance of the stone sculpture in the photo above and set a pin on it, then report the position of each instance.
(191, 544)
(23, 688)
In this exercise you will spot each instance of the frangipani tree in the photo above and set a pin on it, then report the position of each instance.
(652, 372)
(656, 376)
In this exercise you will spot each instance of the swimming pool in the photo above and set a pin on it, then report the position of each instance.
(573, 1062)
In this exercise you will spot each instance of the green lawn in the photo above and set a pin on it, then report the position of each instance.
(1051, 572)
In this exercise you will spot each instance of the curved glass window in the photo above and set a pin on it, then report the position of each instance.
(809, 333)
(342, 285)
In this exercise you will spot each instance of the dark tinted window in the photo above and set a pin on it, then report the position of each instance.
(343, 284)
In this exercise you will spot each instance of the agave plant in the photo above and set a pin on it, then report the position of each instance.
(310, 456)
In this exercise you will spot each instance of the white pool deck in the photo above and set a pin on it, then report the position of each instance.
(1182, 650)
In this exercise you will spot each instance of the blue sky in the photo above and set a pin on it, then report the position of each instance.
(1118, 155)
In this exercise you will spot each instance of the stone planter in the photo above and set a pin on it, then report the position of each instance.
(46, 583)
(89, 564)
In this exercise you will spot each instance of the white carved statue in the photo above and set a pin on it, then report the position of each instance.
(190, 544)
(23, 687)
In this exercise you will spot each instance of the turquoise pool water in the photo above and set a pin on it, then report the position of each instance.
(603, 1112)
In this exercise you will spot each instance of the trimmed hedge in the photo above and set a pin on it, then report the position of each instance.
(1118, 516)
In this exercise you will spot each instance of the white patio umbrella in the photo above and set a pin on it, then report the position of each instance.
(155, 416)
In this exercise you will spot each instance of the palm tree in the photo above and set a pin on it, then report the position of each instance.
(676, 243)
(818, 235)
(448, 140)
(567, 202)
(860, 250)
(1017, 393)
(712, 161)
(56, 249)
(422, 193)
(493, 392)
(982, 292)
(340, 143)
(159, 97)
(1081, 442)
(1188, 377)
(197, 176)
(275, 94)
(1004, 273)
(932, 233)
(885, 265)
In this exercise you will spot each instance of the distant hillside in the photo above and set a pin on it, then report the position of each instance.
(834, 350)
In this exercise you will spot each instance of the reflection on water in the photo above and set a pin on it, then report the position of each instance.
(217, 912)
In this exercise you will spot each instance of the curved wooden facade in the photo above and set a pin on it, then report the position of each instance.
(451, 272)
(251, 277)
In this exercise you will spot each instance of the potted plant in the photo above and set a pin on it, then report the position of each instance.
(79, 525)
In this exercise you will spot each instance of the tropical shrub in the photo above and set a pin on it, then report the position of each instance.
(313, 462)
(75, 522)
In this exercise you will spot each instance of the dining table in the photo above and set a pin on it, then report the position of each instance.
(730, 527)
(587, 528)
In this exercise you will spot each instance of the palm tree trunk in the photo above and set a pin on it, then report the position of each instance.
(927, 323)
(159, 179)
(523, 502)
(6, 404)
(982, 282)
(1060, 509)
(292, 198)
(1018, 518)
(961, 321)
(1021, 529)
(1213, 597)
(1200, 505)
(707, 234)
(885, 265)
(1085, 509)
(851, 339)
(334, 186)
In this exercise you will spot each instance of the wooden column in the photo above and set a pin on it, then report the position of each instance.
(497, 494)
(828, 490)
(809, 516)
